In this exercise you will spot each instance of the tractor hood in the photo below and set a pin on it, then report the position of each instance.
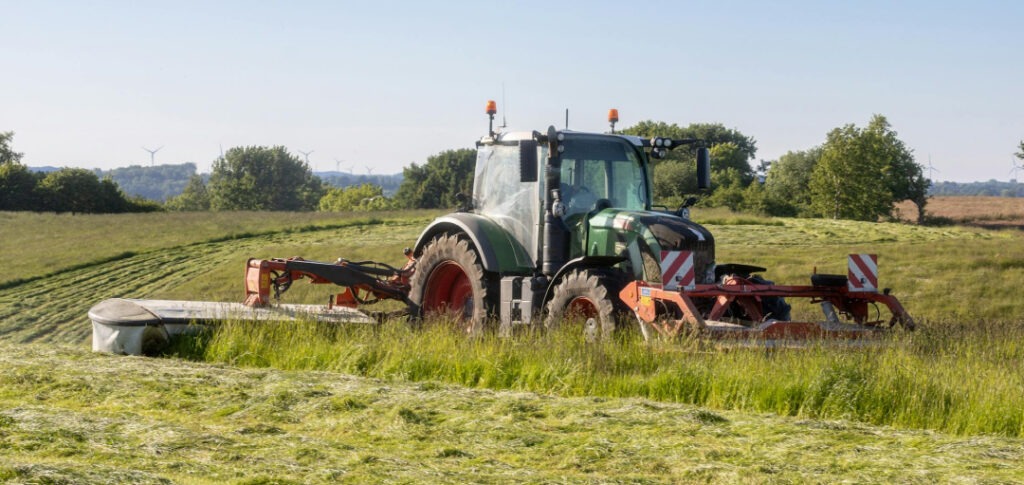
(646, 237)
(670, 232)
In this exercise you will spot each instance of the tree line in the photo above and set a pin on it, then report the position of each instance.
(271, 178)
(74, 190)
(991, 187)
(157, 183)
(856, 173)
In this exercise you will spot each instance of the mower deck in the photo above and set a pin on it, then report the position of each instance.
(134, 327)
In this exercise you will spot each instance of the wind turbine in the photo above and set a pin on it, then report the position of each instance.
(152, 154)
(931, 169)
(369, 170)
(1016, 168)
(337, 165)
(306, 154)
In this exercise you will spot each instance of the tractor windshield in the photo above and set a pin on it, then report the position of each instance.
(602, 171)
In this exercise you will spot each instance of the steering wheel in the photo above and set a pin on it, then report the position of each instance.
(583, 198)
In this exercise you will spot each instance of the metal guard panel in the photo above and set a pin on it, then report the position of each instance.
(499, 252)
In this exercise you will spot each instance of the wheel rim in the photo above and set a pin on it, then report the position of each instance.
(581, 307)
(448, 290)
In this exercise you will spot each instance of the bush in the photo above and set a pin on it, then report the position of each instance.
(365, 197)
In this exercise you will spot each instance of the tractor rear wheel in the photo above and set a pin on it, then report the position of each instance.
(586, 295)
(450, 283)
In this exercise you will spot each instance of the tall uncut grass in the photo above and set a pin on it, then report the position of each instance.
(957, 378)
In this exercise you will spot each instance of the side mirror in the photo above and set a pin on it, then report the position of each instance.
(703, 168)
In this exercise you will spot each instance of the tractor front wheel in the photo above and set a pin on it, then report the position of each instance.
(586, 295)
(450, 283)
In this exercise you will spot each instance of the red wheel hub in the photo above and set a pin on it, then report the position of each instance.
(448, 289)
(581, 306)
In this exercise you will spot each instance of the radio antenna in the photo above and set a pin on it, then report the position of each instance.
(504, 124)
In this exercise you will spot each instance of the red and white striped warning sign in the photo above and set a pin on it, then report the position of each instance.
(677, 270)
(863, 274)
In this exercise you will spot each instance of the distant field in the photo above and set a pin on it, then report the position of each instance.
(990, 212)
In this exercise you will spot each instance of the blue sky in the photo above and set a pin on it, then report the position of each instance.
(382, 84)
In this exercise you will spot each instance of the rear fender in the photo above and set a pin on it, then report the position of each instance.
(499, 252)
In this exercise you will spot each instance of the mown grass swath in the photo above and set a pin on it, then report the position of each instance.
(68, 415)
(957, 378)
(962, 372)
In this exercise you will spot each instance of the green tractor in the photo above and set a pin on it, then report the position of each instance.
(558, 223)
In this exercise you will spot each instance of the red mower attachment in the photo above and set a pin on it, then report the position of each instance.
(365, 282)
(735, 307)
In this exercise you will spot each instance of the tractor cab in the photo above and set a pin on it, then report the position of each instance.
(547, 206)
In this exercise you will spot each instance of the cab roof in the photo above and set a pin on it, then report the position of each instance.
(513, 136)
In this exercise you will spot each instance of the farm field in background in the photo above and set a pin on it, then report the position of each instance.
(990, 212)
(960, 375)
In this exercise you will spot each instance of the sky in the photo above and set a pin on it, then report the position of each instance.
(375, 86)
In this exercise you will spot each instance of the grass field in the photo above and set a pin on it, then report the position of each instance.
(70, 416)
(37, 244)
(780, 416)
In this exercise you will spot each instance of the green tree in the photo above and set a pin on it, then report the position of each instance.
(193, 198)
(673, 179)
(729, 189)
(75, 190)
(862, 173)
(755, 199)
(1020, 147)
(365, 197)
(729, 156)
(7, 153)
(436, 183)
(18, 188)
(676, 174)
(262, 178)
(788, 180)
(906, 179)
(712, 133)
(17, 183)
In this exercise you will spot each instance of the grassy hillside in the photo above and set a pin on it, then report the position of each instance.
(961, 374)
(941, 274)
(35, 244)
(70, 416)
(53, 308)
